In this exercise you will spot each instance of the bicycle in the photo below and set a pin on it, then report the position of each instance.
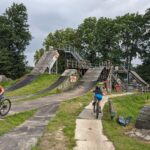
(5, 105)
(96, 108)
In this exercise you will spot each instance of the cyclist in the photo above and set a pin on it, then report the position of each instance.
(1, 92)
(5, 104)
(98, 96)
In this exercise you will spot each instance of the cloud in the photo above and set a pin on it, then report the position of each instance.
(49, 15)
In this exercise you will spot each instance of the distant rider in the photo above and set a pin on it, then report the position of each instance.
(1, 92)
(98, 95)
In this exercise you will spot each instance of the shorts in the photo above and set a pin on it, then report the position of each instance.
(98, 97)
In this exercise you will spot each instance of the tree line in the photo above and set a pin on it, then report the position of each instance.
(14, 37)
(120, 39)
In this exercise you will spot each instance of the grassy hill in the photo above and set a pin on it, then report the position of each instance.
(125, 106)
(42, 82)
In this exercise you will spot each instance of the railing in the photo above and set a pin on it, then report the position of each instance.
(106, 64)
(80, 65)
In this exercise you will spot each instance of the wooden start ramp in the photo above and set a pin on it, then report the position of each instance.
(46, 61)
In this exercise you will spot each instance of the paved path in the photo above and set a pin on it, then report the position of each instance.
(25, 136)
(89, 131)
(40, 102)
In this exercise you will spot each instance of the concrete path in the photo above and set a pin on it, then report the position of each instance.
(84, 85)
(89, 131)
(40, 102)
(91, 137)
(25, 136)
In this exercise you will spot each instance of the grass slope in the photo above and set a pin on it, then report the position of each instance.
(35, 97)
(10, 122)
(8, 83)
(66, 120)
(125, 106)
(43, 81)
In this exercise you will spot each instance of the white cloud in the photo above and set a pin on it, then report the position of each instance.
(48, 15)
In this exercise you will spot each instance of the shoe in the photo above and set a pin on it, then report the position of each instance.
(93, 103)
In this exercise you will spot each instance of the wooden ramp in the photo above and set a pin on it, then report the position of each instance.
(46, 61)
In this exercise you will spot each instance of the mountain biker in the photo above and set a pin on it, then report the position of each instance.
(98, 96)
(1, 91)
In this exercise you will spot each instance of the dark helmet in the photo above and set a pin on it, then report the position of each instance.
(97, 88)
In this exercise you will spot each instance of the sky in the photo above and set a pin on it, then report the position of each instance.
(45, 16)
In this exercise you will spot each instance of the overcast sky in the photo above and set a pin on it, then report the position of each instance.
(45, 16)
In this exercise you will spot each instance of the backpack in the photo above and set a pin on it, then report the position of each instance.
(98, 96)
(124, 121)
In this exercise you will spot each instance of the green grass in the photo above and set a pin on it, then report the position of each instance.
(55, 91)
(8, 83)
(43, 81)
(125, 106)
(66, 119)
(51, 92)
(10, 122)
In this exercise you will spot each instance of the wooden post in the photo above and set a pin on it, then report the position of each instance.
(49, 70)
(56, 66)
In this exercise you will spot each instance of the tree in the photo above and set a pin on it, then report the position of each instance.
(5, 62)
(143, 70)
(38, 54)
(60, 39)
(15, 38)
(85, 39)
(107, 40)
(132, 28)
(124, 37)
(146, 35)
(5, 32)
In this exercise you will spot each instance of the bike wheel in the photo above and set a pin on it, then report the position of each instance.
(97, 110)
(94, 107)
(5, 107)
